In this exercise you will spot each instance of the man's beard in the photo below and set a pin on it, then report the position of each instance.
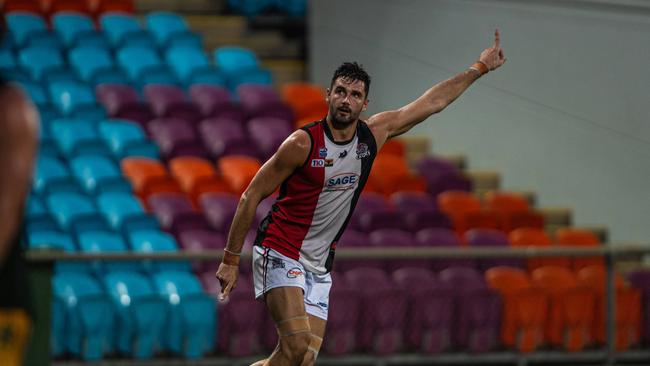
(342, 122)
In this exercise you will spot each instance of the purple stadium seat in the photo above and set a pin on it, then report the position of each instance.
(430, 310)
(214, 101)
(432, 166)
(448, 182)
(219, 209)
(440, 237)
(397, 238)
(384, 317)
(640, 279)
(198, 240)
(413, 201)
(176, 137)
(175, 212)
(240, 320)
(419, 210)
(223, 135)
(170, 101)
(355, 239)
(343, 317)
(491, 237)
(374, 212)
(122, 101)
(263, 101)
(267, 133)
(477, 316)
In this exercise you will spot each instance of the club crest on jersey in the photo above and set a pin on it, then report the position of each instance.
(342, 182)
(362, 151)
(322, 152)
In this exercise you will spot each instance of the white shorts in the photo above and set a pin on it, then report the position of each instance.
(272, 269)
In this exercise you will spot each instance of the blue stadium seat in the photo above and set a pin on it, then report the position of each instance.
(250, 7)
(191, 64)
(52, 175)
(75, 98)
(89, 316)
(170, 29)
(44, 63)
(76, 29)
(76, 212)
(124, 212)
(148, 241)
(105, 242)
(234, 60)
(123, 29)
(97, 174)
(95, 65)
(126, 138)
(35, 92)
(37, 217)
(191, 324)
(141, 313)
(259, 76)
(55, 239)
(23, 25)
(35, 205)
(77, 137)
(296, 8)
(144, 66)
(7, 59)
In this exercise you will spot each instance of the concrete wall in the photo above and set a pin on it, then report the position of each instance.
(567, 116)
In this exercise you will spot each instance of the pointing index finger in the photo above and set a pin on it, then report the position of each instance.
(497, 39)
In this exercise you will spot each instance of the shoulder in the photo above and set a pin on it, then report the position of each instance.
(295, 149)
(379, 124)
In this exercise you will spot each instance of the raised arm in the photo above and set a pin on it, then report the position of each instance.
(291, 155)
(393, 123)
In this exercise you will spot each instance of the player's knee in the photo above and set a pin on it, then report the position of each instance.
(295, 346)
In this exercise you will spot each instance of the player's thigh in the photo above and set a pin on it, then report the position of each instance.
(285, 303)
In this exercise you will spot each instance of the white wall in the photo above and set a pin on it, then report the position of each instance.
(568, 115)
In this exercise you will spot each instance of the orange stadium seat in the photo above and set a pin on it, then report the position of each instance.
(572, 307)
(104, 6)
(466, 212)
(513, 210)
(583, 238)
(391, 174)
(305, 99)
(628, 308)
(394, 147)
(238, 171)
(526, 237)
(81, 6)
(524, 308)
(32, 6)
(197, 176)
(148, 176)
(309, 119)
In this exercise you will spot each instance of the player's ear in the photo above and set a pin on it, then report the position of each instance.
(327, 95)
(365, 104)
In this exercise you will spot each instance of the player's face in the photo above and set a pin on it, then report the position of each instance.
(346, 100)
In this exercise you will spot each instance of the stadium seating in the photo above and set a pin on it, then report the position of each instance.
(465, 211)
(122, 101)
(124, 30)
(197, 176)
(154, 241)
(219, 209)
(215, 101)
(76, 212)
(238, 171)
(124, 212)
(106, 242)
(44, 63)
(396, 238)
(95, 65)
(418, 210)
(581, 238)
(126, 138)
(640, 279)
(442, 175)
(98, 173)
(343, 319)
(513, 211)
(148, 176)
(223, 136)
(391, 174)
(491, 238)
(192, 66)
(143, 65)
(23, 25)
(76, 29)
(530, 237)
(373, 212)
(52, 175)
(268, 133)
(305, 99)
(170, 29)
(76, 99)
(525, 308)
(441, 237)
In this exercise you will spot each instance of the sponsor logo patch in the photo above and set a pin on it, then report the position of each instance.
(329, 162)
(322, 152)
(362, 151)
(342, 182)
(277, 263)
(294, 272)
(317, 163)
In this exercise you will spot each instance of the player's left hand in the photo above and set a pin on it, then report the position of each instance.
(493, 57)
(227, 275)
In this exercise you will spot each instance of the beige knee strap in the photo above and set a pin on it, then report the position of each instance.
(314, 344)
(291, 326)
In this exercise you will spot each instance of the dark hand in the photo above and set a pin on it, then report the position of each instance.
(227, 275)
(493, 57)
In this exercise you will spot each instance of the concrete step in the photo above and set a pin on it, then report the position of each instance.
(285, 71)
(181, 6)
(484, 180)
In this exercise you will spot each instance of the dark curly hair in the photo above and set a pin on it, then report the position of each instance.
(352, 71)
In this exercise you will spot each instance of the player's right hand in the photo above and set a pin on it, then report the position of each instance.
(227, 275)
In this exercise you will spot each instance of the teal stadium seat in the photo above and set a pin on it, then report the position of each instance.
(52, 175)
(54, 239)
(104, 241)
(126, 138)
(75, 212)
(44, 64)
(76, 29)
(191, 323)
(77, 137)
(140, 313)
(124, 30)
(170, 29)
(125, 213)
(192, 66)
(76, 99)
(240, 65)
(89, 316)
(151, 241)
(23, 25)
(144, 66)
(97, 174)
(95, 65)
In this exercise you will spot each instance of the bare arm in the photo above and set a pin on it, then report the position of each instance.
(291, 155)
(394, 123)
(18, 144)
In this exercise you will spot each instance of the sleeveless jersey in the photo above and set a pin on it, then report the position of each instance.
(317, 199)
